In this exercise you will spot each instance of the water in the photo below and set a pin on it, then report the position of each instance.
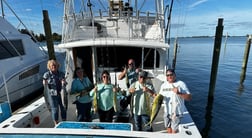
(229, 115)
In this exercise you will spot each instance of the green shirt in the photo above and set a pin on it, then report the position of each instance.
(105, 96)
(141, 100)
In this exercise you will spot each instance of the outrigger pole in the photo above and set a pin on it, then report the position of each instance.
(167, 31)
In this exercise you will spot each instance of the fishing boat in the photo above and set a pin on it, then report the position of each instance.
(22, 61)
(103, 35)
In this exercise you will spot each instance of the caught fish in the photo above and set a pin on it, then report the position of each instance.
(157, 102)
(95, 103)
(115, 101)
(174, 104)
(48, 98)
(64, 96)
(115, 96)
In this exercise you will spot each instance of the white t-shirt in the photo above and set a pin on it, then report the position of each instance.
(173, 102)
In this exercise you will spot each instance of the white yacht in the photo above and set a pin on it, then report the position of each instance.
(22, 63)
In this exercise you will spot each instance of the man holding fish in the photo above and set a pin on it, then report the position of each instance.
(141, 92)
(174, 92)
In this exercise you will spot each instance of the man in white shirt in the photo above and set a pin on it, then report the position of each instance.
(174, 92)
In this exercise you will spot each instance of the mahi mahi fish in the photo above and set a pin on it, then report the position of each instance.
(157, 102)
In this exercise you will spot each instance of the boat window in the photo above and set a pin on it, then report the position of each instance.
(11, 48)
(117, 57)
(29, 72)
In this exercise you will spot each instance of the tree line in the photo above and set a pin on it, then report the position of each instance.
(40, 37)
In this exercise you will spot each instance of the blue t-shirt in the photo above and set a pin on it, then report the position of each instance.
(80, 85)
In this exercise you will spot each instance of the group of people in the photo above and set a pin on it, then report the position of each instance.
(139, 96)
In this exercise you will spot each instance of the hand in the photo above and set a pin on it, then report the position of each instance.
(145, 89)
(95, 88)
(132, 90)
(125, 70)
(115, 89)
(175, 90)
(138, 70)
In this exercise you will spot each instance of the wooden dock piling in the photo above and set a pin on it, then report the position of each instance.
(216, 55)
(245, 60)
(48, 34)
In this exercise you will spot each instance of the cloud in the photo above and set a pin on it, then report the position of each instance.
(197, 3)
(28, 10)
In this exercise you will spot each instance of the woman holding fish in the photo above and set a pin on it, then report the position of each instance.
(104, 98)
(141, 92)
(174, 92)
(53, 81)
(81, 86)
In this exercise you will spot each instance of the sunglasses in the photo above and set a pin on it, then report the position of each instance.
(130, 64)
(105, 76)
(141, 77)
(167, 75)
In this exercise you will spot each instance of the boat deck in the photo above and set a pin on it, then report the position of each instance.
(22, 119)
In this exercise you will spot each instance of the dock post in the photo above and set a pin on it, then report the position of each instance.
(215, 62)
(48, 34)
(216, 55)
(245, 60)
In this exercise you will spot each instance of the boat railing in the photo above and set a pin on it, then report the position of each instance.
(114, 24)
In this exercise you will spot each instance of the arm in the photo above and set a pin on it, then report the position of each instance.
(185, 96)
(122, 74)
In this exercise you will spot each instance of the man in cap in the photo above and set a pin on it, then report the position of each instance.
(141, 92)
(174, 92)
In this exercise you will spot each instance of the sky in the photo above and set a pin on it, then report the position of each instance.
(189, 17)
